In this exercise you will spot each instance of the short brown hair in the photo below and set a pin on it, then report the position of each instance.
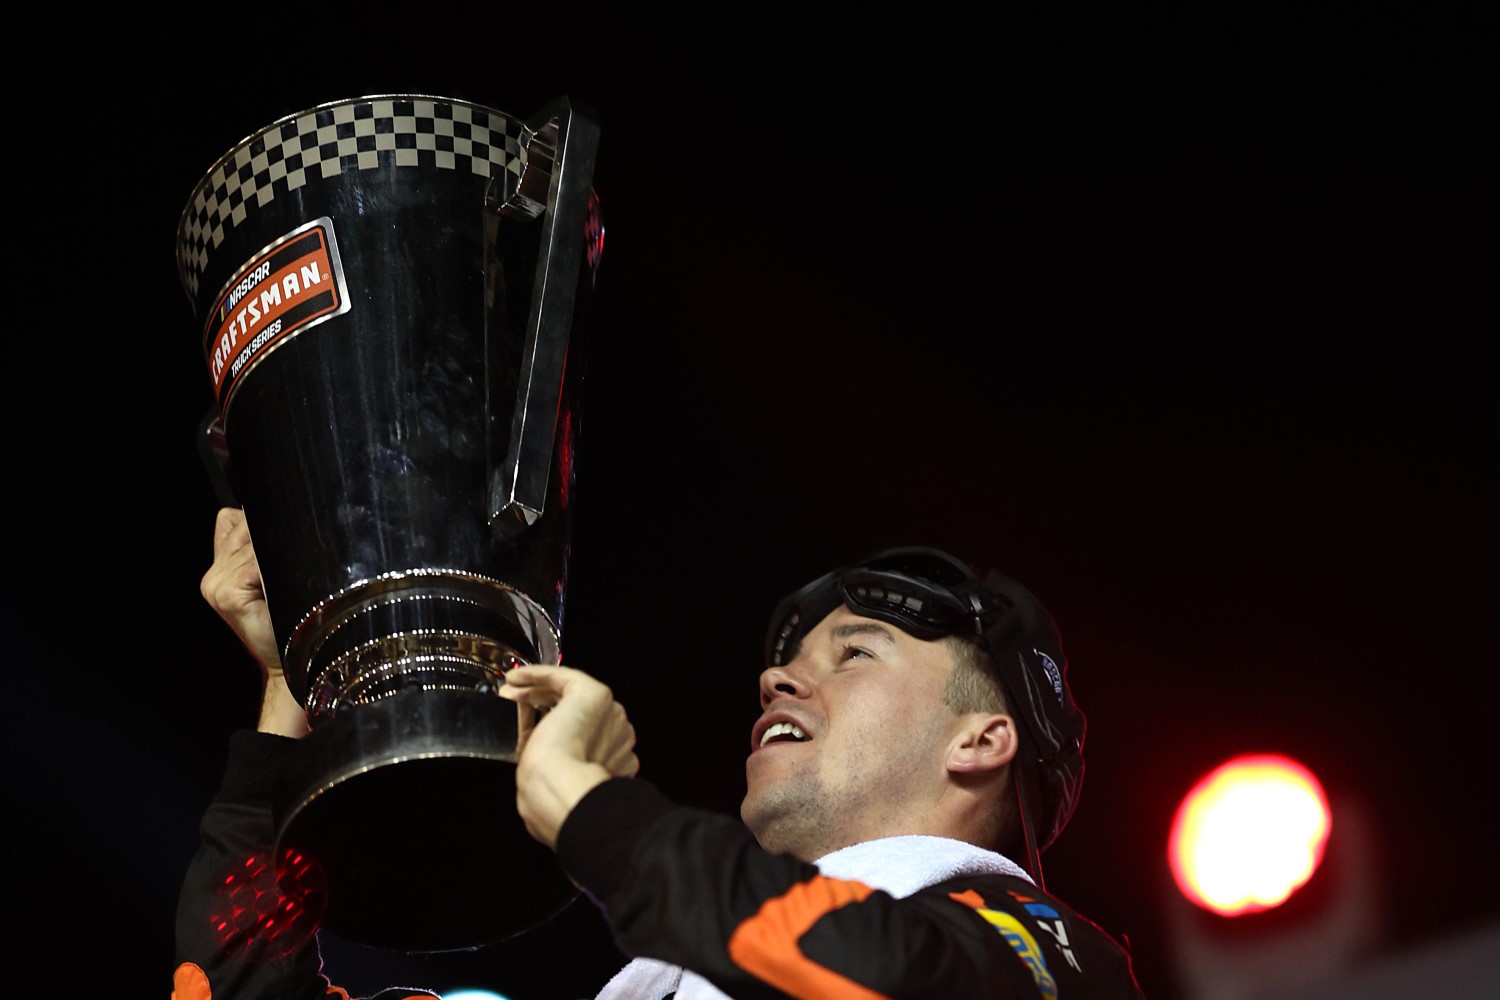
(974, 686)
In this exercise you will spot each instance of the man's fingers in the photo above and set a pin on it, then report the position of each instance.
(229, 522)
(247, 577)
(543, 675)
(545, 686)
(536, 696)
(623, 763)
(525, 722)
(230, 584)
(597, 727)
(226, 519)
(234, 556)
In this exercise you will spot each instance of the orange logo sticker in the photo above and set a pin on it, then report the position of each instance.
(292, 284)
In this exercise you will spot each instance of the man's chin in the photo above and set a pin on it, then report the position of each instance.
(756, 810)
(777, 810)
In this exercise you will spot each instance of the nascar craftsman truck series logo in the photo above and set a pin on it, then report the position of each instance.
(291, 285)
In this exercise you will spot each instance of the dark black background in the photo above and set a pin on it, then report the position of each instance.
(1185, 321)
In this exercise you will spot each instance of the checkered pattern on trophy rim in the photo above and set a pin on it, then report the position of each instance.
(359, 134)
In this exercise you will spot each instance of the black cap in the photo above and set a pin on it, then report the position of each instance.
(930, 594)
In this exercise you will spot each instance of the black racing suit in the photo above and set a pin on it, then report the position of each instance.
(695, 889)
(677, 884)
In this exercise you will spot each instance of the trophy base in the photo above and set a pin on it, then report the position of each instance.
(406, 810)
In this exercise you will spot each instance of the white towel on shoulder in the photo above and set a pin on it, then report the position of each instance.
(897, 865)
(902, 865)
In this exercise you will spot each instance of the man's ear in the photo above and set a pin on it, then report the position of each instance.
(982, 743)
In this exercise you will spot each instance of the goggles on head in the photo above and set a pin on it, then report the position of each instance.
(924, 592)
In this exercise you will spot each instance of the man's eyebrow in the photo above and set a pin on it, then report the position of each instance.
(862, 628)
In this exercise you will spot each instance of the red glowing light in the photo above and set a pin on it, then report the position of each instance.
(1249, 834)
(266, 912)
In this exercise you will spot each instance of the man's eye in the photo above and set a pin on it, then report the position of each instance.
(852, 652)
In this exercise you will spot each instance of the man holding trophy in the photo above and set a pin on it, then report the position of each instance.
(915, 717)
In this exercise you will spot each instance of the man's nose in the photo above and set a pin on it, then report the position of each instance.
(782, 682)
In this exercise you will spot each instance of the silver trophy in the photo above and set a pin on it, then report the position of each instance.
(392, 293)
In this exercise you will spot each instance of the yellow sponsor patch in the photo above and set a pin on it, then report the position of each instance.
(1025, 945)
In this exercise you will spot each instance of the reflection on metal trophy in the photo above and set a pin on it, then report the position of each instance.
(392, 292)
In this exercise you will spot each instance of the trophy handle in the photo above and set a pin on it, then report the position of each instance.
(562, 150)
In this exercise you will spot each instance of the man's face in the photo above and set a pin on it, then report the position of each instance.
(870, 760)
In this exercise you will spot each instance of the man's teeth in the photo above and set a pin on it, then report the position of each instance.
(782, 729)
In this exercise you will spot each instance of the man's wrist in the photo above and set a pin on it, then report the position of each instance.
(280, 713)
(548, 797)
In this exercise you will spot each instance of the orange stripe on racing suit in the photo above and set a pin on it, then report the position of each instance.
(765, 945)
